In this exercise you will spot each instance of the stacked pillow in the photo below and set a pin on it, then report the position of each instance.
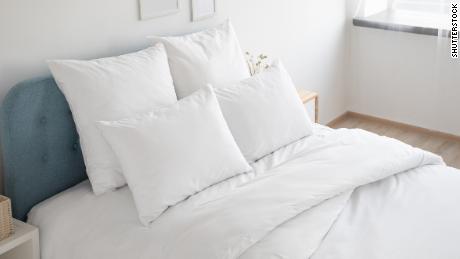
(134, 130)
(173, 152)
(212, 56)
(110, 89)
(264, 112)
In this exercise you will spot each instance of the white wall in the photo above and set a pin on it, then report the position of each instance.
(405, 77)
(307, 35)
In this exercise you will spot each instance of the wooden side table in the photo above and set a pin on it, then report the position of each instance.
(307, 96)
(22, 244)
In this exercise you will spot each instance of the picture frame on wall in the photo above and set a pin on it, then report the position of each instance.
(150, 9)
(203, 9)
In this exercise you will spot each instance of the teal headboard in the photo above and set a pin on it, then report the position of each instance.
(41, 152)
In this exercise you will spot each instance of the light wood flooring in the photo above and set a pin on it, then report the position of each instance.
(442, 144)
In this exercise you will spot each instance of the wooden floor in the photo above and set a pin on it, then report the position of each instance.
(446, 146)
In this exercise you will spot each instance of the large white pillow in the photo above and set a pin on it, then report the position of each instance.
(174, 152)
(110, 89)
(211, 56)
(264, 112)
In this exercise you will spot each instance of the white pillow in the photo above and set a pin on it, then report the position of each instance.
(110, 89)
(264, 112)
(212, 56)
(174, 152)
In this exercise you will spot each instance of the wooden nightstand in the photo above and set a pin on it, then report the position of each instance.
(22, 244)
(307, 96)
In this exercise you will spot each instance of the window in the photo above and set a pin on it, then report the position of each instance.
(441, 7)
(417, 16)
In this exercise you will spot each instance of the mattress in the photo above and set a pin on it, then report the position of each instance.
(409, 215)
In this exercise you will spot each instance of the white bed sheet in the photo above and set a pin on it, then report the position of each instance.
(412, 215)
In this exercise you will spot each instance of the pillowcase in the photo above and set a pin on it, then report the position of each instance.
(110, 89)
(174, 152)
(264, 112)
(212, 56)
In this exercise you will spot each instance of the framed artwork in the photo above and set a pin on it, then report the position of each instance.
(203, 9)
(157, 8)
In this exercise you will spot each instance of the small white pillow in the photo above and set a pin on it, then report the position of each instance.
(212, 56)
(110, 89)
(174, 152)
(264, 112)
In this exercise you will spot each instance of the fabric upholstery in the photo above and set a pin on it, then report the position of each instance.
(41, 151)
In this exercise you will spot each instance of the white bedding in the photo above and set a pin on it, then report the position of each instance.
(324, 198)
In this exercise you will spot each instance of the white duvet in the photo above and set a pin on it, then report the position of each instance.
(337, 194)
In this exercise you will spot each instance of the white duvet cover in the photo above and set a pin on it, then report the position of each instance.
(336, 194)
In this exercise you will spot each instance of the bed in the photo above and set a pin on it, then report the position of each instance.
(311, 199)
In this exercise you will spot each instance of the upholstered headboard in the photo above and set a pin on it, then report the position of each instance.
(41, 151)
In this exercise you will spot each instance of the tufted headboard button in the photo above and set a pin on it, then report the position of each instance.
(45, 158)
(43, 120)
(75, 147)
